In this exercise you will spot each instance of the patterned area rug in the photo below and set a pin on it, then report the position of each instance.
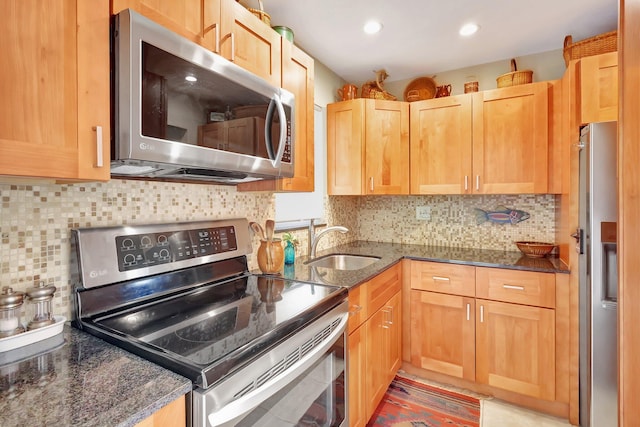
(409, 403)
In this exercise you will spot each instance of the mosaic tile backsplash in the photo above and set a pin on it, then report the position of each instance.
(35, 221)
(453, 219)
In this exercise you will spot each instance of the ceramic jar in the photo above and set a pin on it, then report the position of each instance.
(270, 256)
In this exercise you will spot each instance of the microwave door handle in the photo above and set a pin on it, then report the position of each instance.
(267, 130)
(277, 159)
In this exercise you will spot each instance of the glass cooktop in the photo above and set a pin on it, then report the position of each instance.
(206, 324)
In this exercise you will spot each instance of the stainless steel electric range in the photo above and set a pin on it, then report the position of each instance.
(260, 350)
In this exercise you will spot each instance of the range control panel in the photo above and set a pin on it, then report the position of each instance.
(148, 249)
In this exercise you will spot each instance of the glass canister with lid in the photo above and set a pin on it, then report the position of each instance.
(41, 296)
(10, 312)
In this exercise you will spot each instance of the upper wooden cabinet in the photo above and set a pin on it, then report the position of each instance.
(490, 142)
(599, 88)
(222, 26)
(511, 140)
(368, 147)
(54, 109)
(441, 145)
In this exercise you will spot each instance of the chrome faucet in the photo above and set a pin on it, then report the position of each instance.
(316, 238)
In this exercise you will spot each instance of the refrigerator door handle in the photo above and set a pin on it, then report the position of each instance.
(579, 236)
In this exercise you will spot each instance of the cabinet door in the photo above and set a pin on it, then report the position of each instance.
(382, 287)
(387, 147)
(443, 333)
(515, 348)
(357, 375)
(297, 78)
(394, 344)
(441, 145)
(249, 42)
(345, 147)
(599, 88)
(510, 140)
(377, 360)
(54, 110)
(182, 17)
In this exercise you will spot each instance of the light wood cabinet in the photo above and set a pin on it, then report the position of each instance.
(54, 110)
(232, 135)
(357, 376)
(443, 338)
(489, 142)
(599, 88)
(441, 145)
(515, 348)
(375, 342)
(511, 140)
(172, 415)
(503, 335)
(368, 147)
(186, 17)
(222, 26)
(249, 42)
(384, 347)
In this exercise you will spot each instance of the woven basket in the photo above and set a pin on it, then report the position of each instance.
(260, 13)
(515, 77)
(602, 43)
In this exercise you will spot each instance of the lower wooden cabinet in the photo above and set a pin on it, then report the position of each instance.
(375, 344)
(443, 333)
(502, 336)
(515, 348)
(172, 415)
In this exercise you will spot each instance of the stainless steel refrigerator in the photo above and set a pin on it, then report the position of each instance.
(598, 275)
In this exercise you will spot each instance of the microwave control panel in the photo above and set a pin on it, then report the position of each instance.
(145, 250)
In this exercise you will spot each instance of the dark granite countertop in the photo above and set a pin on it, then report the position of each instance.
(391, 253)
(75, 379)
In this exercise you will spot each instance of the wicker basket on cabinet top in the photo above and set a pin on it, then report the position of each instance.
(602, 43)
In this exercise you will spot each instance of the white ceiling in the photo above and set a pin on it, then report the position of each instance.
(420, 37)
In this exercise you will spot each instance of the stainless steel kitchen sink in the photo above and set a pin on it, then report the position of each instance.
(343, 261)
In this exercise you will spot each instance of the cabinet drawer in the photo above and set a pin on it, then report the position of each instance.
(357, 306)
(382, 287)
(440, 277)
(520, 287)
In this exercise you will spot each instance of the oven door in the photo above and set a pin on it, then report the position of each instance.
(301, 382)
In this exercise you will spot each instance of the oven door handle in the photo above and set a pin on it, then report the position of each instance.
(235, 410)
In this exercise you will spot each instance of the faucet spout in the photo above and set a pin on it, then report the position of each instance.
(316, 238)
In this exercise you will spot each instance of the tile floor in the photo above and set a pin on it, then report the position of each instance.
(495, 413)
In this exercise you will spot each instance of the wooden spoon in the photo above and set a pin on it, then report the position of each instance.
(270, 225)
(257, 228)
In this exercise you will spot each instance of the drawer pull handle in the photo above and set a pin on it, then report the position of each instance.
(514, 287)
(356, 309)
(440, 278)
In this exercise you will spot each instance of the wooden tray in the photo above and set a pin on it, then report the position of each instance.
(425, 86)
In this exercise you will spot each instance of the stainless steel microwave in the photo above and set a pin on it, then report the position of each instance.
(183, 112)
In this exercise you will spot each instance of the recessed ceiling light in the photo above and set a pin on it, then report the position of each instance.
(191, 79)
(469, 29)
(372, 27)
